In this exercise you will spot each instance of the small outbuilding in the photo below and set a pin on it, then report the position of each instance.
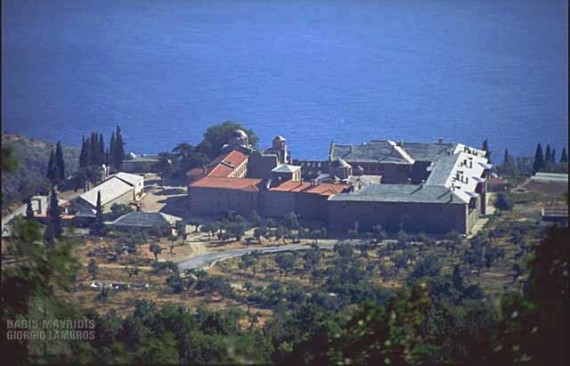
(153, 222)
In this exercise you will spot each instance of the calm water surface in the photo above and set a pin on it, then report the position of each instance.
(312, 71)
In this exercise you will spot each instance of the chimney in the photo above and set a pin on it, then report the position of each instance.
(440, 140)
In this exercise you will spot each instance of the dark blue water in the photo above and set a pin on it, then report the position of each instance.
(309, 70)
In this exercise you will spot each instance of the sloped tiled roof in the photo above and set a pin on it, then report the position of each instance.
(323, 189)
(243, 184)
(412, 193)
(422, 151)
(458, 172)
(455, 169)
(383, 151)
(222, 166)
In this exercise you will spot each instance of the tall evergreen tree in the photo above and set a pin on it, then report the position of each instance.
(29, 210)
(83, 154)
(52, 170)
(119, 149)
(98, 227)
(88, 152)
(101, 151)
(112, 148)
(547, 154)
(486, 148)
(507, 163)
(60, 161)
(99, 208)
(107, 158)
(94, 149)
(54, 215)
(538, 159)
(553, 156)
(564, 156)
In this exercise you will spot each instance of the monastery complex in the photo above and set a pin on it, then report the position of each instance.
(431, 187)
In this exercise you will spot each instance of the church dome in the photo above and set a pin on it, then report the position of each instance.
(240, 134)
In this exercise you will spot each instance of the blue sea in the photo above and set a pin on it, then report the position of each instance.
(312, 71)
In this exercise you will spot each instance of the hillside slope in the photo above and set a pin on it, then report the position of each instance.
(29, 178)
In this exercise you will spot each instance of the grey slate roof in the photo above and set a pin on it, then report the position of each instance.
(145, 219)
(441, 170)
(422, 151)
(374, 151)
(408, 193)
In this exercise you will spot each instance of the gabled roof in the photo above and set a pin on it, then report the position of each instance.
(110, 189)
(243, 184)
(222, 166)
(146, 219)
(131, 179)
(286, 168)
(458, 172)
(383, 151)
(404, 193)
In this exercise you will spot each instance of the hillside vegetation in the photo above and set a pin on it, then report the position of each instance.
(29, 178)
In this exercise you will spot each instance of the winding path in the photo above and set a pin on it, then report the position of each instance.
(210, 259)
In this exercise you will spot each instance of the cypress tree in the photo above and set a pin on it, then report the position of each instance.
(55, 215)
(59, 161)
(538, 159)
(88, 153)
(107, 158)
(547, 154)
(83, 154)
(486, 148)
(52, 171)
(119, 148)
(564, 156)
(29, 210)
(112, 148)
(99, 207)
(101, 151)
(49, 236)
(97, 227)
(94, 149)
(507, 162)
(553, 156)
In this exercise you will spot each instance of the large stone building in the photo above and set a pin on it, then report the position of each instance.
(218, 196)
(431, 187)
(450, 194)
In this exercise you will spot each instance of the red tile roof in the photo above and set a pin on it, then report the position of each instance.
(323, 189)
(243, 184)
(220, 166)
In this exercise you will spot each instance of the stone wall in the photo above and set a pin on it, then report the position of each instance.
(219, 201)
(412, 217)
